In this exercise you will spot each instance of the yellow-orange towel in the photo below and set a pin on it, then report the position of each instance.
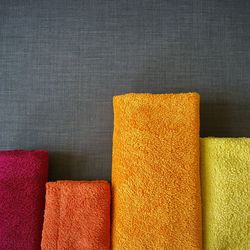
(77, 215)
(225, 182)
(155, 173)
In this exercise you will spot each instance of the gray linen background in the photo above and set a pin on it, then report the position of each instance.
(62, 61)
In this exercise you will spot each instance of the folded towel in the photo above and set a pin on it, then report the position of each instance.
(77, 215)
(225, 182)
(23, 175)
(155, 173)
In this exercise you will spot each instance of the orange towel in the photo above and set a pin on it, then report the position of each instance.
(155, 173)
(77, 215)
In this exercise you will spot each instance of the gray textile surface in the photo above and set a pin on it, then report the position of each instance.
(62, 61)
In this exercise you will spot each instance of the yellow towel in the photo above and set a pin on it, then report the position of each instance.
(225, 181)
(155, 173)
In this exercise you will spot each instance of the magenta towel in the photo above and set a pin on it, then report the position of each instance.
(23, 175)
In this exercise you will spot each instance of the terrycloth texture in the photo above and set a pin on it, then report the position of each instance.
(155, 173)
(225, 181)
(77, 215)
(23, 175)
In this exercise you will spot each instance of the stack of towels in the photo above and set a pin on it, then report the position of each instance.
(164, 195)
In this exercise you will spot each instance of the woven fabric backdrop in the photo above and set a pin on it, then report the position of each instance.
(61, 61)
